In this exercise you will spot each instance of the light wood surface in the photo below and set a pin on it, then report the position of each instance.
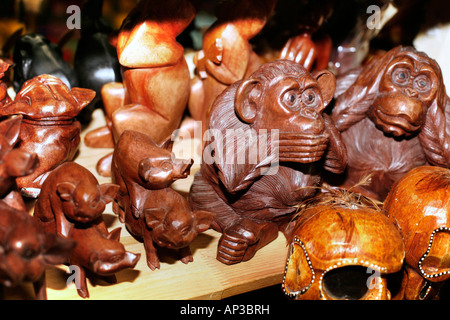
(205, 278)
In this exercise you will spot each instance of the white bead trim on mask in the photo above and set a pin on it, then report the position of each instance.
(426, 275)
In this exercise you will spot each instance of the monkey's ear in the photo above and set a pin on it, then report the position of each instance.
(327, 84)
(246, 100)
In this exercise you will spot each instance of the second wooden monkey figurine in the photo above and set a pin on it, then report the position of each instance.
(271, 142)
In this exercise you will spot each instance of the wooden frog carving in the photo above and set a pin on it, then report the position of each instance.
(270, 143)
(49, 126)
(151, 210)
(393, 118)
(26, 249)
(156, 79)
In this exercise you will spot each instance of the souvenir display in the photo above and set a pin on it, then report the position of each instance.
(392, 119)
(278, 109)
(151, 210)
(342, 248)
(49, 127)
(321, 163)
(419, 205)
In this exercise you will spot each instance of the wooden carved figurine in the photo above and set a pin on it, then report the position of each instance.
(100, 252)
(26, 249)
(156, 79)
(34, 55)
(71, 204)
(95, 61)
(14, 162)
(419, 205)
(49, 127)
(342, 248)
(4, 97)
(151, 210)
(226, 55)
(392, 119)
(270, 143)
(71, 194)
(309, 46)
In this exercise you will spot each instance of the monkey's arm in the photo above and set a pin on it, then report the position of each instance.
(434, 136)
(351, 107)
(336, 155)
(240, 163)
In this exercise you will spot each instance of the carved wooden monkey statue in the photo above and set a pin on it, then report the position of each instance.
(393, 119)
(278, 109)
(227, 56)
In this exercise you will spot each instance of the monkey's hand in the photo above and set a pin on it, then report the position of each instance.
(240, 241)
(300, 49)
(303, 148)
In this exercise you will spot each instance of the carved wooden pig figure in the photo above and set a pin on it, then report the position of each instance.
(71, 194)
(167, 221)
(100, 252)
(13, 161)
(139, 164)
(25, 249)
(49, 126)
(150, 209)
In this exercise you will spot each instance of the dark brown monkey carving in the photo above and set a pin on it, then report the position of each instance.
(278, 110)
(393, 119)
(227, 55)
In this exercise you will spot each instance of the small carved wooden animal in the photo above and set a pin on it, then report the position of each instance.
(100, 252)
(167, 221)
(145, 202)
(26, 249)
(139, 164)
(71, 194)
(49, 126)
(271, 143)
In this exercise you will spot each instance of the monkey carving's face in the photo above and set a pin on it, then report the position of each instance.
(293, 105)
(406, 91)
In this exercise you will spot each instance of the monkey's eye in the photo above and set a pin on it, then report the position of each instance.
(400, 76)
(309, 97)
(422, 83)
(291, 100)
